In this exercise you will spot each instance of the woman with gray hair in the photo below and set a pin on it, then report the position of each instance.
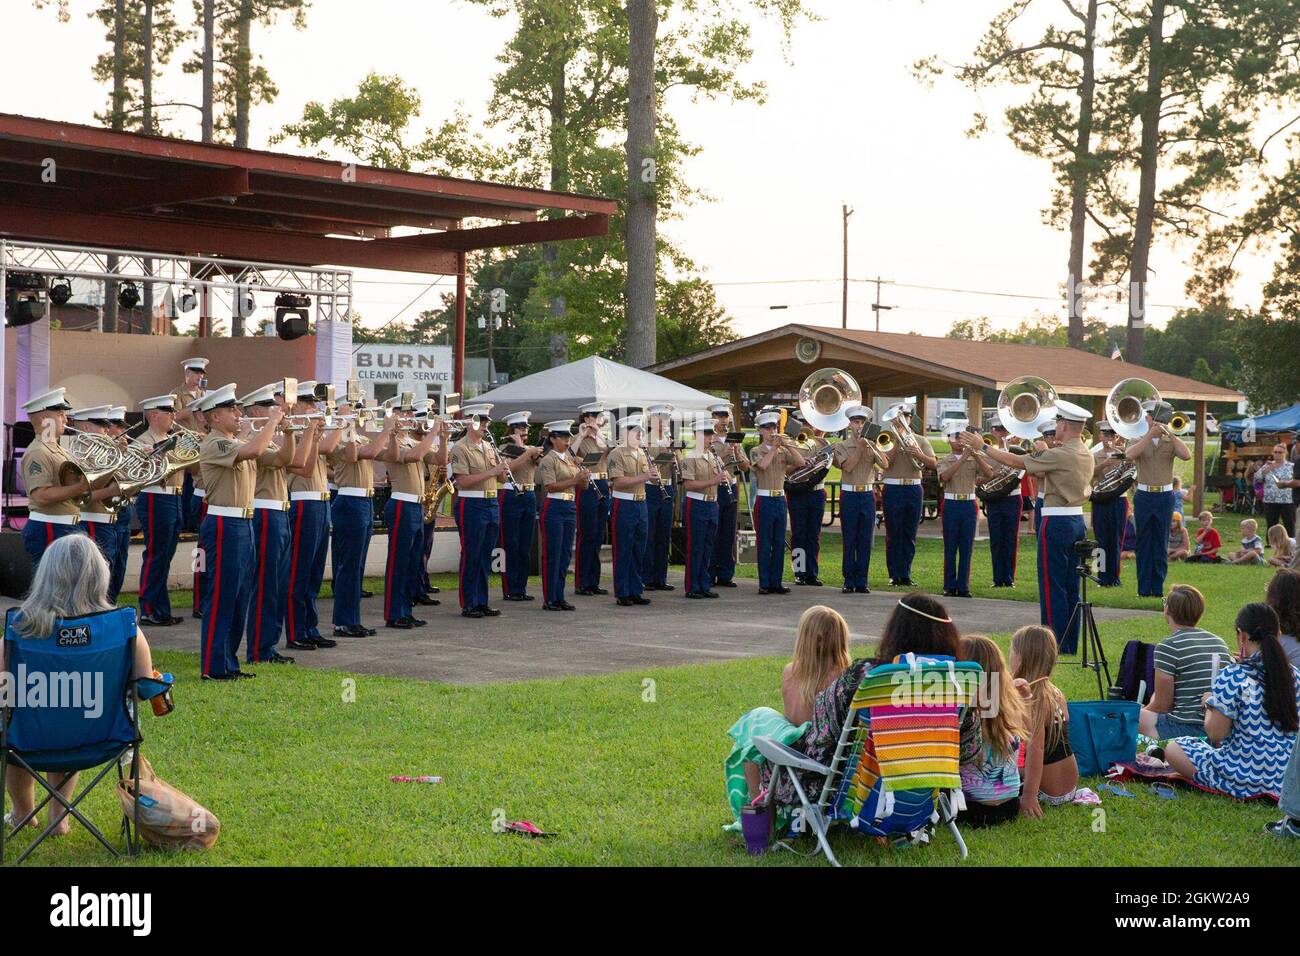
(71, 581)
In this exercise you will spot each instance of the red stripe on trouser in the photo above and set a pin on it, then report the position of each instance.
(261, 587)
(293, 569)
(148, 559)
(546, 591)
(392, 561)
(213, 605)
(49, 534)
(1047, 579)
(460, 583)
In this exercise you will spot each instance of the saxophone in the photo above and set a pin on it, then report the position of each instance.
(436, 489)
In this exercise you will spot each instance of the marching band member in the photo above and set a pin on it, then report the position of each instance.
(1047, 439)
(560, 474)
(1004, 524)
(184, 395)
(353, 516)
(226, 537)
(593, 500)
(309, 503)
(403, 516)
(54, 510)
(807, 508)
(1153, 501)
(958, 472)
(660, 494)
(630, 474)
(160, 519)
(904, 501)
(723, 567)
(272, 539)
(1066, 471)
(194, 474)
(435, 459)
(857, 458)
(772, 458)
(95, 516)
(477, 468)
(702, 474)
(121, 526)
(517, 510)
(1109, 517)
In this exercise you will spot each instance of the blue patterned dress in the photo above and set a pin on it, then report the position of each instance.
(1253, 758)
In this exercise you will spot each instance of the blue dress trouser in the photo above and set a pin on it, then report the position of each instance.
(559, 524)
(160, 523)
(631, 528)
(723, 567)
(422, 583)
(1004, 536)
(404, 520)
(1108, 520)
(807, 510)
(269, 602)
(517, 514)
(903, 506)
(593, 519)
(1058, 579)
(309, 524)
(228, 549)
(959, 519)
(477, 523)
(1038, 513)
(39, 535)
(113, 546)
(769, 528)
(857, 529)
(352, 516)
(700, 518)
(1153, 512)
(659, 513)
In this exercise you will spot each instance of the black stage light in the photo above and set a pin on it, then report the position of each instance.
(291, 315)
(60, 290)
(128, 296)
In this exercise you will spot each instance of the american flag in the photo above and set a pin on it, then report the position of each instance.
(1116, 354)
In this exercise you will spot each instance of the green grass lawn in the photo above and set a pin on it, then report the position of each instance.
(296, 766)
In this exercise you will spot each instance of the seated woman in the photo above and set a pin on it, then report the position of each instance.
(1186, 662)
(919, 625)
(1180, 546)
(71, 581)
(1283, 596)
(1283, 545)
(1251, 715)
(991, 744)
(821, 655)
(1051, 772)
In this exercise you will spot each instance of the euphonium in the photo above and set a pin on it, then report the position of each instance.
(93, 457)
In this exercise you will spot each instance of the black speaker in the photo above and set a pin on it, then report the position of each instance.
(15, 565)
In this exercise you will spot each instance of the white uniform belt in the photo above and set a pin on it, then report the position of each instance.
(271, 504)
(560, 495)
(600, 475)
(200, 493)
(1156, 488)
(223, 511)
(515, 487)
(1016, 493)
(817, 487)
(902, 481)
(309, 496)
(850, 488)
(404, 496)
(160, 490)
(99, 517)
(627, 496)
(952, 496)
(353, 492)
(475, 493)
(1062, 510)
(770, 493)
(52, 519)
(698, 496)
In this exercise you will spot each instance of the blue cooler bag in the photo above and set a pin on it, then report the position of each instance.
(1103, 732)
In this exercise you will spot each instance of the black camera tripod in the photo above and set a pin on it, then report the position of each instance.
(1089, 637)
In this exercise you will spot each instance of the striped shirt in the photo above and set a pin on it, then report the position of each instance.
(1187, 656)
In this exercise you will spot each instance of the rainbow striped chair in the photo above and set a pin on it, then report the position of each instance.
(896, 768)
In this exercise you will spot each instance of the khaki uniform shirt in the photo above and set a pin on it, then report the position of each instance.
(183, 396)
(732, 453)
(655, 447)
(351, 474)
(556, 467)
(863, 473)
(699, 468)
(963, 479)
(624, 462)
(523, 469)
(772, 478)
(469, 458)
(229, 483)
(406, 477)
(1156, 463)
(586, 445)
(42, 462)
(317, 481)
(1066, 472)
(902, 465)
(149, 439)
(272, 479)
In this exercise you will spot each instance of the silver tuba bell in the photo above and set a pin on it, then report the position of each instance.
(1129, 403)
(825, 398)
(1025, 404)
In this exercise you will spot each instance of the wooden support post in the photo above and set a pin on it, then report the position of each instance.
(1198, 460)
(458, 344)
(736, 410)
(1098, 414)
(975, 407)
(919, 424)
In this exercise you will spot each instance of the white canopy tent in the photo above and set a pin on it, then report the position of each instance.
(557, 392)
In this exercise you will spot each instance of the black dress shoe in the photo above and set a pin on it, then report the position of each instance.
(598, 591)
(523, 597)
(695, 595)
(511, 597)
(196, 615)
(965, 594)
(434, 589)
(799, 580)
(548, 606)
(425, 600)
(667, 587)
(279, 659)
(401, 623)
(584, 592)
(724, 584)
(780, 589)
(625, 602)
(638, 599)
(846, 590)
(243, 675)
(709, 594)
(300, 645)
(471, 612)
(909, 583)
(366, 594)
(324, 642)
(949, 592)
(489, 611)
(167, 621)
(764, 590)
(352, 630)
(566, 606)
(814, 582)
(231, 676)
(862, 590)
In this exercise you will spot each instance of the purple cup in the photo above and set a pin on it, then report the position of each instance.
(756, 825)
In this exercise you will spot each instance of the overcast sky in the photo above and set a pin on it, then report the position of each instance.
(844, 122)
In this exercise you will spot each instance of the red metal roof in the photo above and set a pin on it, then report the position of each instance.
(68, 183)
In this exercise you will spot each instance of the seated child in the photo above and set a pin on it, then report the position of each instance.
(991, 746)
(1051, 772)
(1283, 545)
(1208, 541)
(1252, 545)
(1180, 546)
(1186, 663)
(1181, 495)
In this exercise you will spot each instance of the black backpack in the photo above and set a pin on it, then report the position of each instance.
(1136, 665)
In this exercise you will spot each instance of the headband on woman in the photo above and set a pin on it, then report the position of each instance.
(941, 620)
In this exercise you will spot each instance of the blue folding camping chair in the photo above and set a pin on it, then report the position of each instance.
(86, 717)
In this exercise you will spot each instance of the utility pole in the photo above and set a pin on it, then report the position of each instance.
(847, 211)
(878, 308)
